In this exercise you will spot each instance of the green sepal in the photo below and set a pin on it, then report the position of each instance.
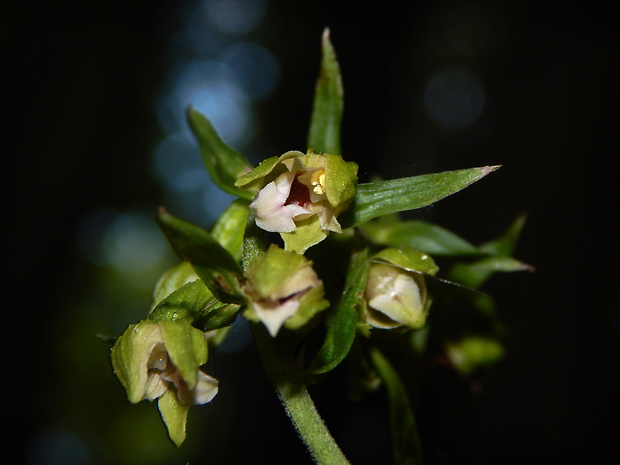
(130, 356)
(409, 259)
(254, 180)
(223, 163)
(420, 235)
(324, 132)
(385, 197)
(307, 233)
(340, 181)
(187, 348)
(406, 445)
(311, 303)
(195, 303)
(218, 269)
(174, 414)
(278, 275)
(342, 319)
(270, 271)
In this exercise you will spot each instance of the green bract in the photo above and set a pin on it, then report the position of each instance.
(161, 360)
(300, 196)
(283, 290)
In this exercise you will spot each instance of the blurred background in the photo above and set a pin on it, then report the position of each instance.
(95, 140)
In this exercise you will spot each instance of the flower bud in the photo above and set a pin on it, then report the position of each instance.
(282, 289)
(395, 293)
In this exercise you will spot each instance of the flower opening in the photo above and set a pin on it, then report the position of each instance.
(300, 196)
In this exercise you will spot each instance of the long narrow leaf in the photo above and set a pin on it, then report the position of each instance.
(213, 263)
(342, 323)
(382, 198)
(324, 133)
(405, 440)
(476, 273)
(223, 163)
(420, 235)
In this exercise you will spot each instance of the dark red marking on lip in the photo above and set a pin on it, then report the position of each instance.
(299, 194)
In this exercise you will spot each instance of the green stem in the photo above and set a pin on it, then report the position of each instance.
(297, 402)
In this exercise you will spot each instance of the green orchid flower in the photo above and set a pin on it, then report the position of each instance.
(300, 196)
(160, 360)
(282, 289)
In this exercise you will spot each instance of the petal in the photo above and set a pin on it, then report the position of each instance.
(268, 207)
(396, 294)
(327, 216)
(205, 390)
(155, 386)
(131, 355)
(273, 315)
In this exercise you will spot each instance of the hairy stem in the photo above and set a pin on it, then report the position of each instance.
(297, 402)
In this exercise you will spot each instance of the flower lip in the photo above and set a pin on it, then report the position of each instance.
(275, 207)
(299, 194)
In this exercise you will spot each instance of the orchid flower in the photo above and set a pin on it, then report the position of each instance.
(300, 196)
(283, 290)
(160, 360)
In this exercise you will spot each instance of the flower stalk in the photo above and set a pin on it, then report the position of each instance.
(300, 408)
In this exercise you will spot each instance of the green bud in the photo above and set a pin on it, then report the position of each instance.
(396, 294)
(282, 289)
(300, 196)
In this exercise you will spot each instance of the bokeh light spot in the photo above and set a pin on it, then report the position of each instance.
(177, 164)
(129, 242)
(209, 86)
(255, 68)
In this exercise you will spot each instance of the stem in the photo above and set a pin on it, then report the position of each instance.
(297, 402)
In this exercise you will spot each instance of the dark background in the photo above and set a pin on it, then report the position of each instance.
(81, 80)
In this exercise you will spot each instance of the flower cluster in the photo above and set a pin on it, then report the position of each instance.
(284, 257)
